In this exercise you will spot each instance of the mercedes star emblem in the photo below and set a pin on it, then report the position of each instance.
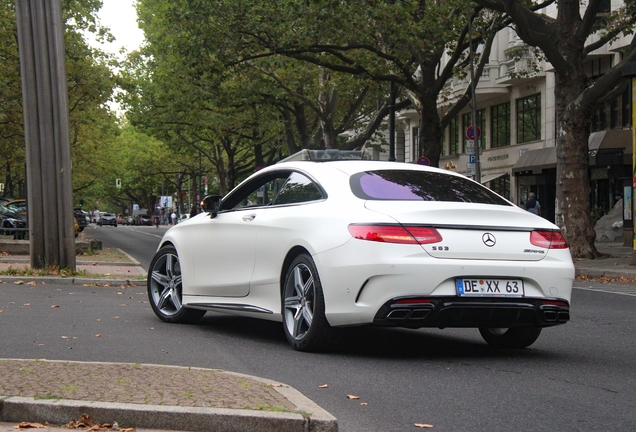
(489, 239)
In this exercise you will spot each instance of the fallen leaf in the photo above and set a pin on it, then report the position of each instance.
(277, 385)
(64, 337)
(323, 386)
(98, 335)
(353, 397)
(32, 283)
(27, 304)
(19, 282)
(55, 306)
(423, 426)
(119, 293)
(28, 425)
(364, 403)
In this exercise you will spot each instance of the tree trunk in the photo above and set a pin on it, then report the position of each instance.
(573, 187)
(430, 132)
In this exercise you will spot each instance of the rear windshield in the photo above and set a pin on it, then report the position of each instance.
(406, 185)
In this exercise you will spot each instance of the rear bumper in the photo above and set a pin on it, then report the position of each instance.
(416, 312)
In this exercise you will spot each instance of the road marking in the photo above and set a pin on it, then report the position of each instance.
(612, 289)
(143, 232)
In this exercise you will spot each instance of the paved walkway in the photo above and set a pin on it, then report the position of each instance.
(153, 397)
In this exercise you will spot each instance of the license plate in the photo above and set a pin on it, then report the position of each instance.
(489, 287)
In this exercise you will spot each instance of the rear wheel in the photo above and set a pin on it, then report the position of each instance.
(304, 320)
(514, 337)
(165, 289)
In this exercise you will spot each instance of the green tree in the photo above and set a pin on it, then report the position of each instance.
(90, 86)
(416, 44)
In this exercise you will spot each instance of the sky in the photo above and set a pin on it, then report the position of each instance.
(120, 16)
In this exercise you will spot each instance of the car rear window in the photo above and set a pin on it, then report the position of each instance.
(406, 185)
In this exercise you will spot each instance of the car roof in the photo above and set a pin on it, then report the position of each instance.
(351, 167)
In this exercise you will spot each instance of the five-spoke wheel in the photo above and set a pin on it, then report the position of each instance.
(164, 288)
(304, 319)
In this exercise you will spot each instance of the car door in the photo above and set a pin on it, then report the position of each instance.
(225, 244)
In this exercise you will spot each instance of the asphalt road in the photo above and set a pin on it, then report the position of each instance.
(579, 376)
(138, 241)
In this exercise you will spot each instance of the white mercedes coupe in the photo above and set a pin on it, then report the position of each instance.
(318, 245)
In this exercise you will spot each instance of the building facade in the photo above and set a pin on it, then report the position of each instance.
(516, 116)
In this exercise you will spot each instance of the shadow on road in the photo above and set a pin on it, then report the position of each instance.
(375, 342)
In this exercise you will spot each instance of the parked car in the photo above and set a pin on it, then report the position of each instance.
(17, 206)
(12, 223)
(81, 219)
(346, 243)
(108, 219)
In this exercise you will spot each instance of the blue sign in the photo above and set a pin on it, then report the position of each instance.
(472, 159)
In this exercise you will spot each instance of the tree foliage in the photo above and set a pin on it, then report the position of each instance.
(382, 41)
(90, 85)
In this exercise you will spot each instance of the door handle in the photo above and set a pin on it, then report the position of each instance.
(249, 218)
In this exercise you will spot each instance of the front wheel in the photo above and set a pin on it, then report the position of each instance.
(165, 289)
(304, 321)
(514, 337)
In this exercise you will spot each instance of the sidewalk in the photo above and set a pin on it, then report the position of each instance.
(616, 263)
(151, 397)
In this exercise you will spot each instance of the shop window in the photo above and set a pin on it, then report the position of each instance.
(501, 186)
(500, 125)
(529, 118)
(416, 143)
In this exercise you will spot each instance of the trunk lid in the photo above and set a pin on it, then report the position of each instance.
(471, 231)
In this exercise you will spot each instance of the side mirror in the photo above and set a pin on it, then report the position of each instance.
(212, 204)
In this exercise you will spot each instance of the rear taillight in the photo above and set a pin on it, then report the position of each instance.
(548, 239)
(395, 234)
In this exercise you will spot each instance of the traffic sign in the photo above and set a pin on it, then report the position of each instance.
(472, 159)
(470, 146)
(472, 131)
(423, 160)
(471, 168)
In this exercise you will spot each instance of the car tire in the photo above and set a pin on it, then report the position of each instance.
(514, 337)
(164, 289)
(303, 306)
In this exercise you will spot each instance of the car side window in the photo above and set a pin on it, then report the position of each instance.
(259, 192)
(298, 189)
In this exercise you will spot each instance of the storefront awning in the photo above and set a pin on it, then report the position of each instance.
(490, 177)
(607, 140)
(617, 139)
(536, 160)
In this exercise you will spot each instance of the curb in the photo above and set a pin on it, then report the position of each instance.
(17, 409)
(305, 416)
(75, 281)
